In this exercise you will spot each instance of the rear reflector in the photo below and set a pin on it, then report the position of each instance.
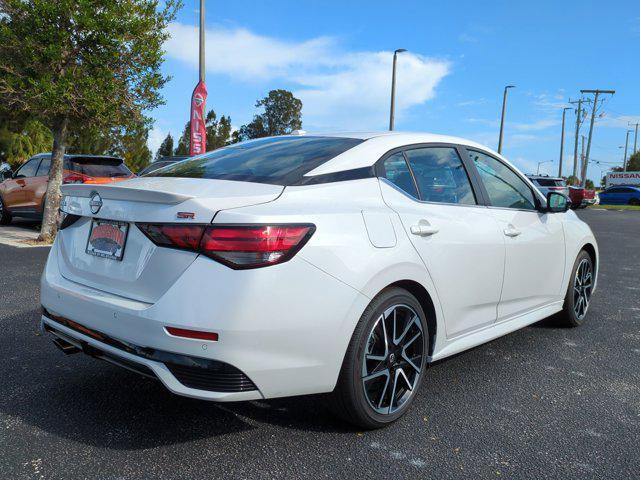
(198, 335)
(237, 246)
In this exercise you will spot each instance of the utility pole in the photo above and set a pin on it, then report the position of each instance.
(597, 93)
(564, 111)
(635, 137)
(582, 162)
(626, 147)
(393, 88)
(575, 144)
(504, 107)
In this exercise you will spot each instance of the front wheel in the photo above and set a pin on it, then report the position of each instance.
(5, 216)
(634, 202)
(385, 362)
(578, 297)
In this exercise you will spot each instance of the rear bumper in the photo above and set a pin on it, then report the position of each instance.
(286, 327)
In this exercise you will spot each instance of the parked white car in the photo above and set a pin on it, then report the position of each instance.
(306, 264)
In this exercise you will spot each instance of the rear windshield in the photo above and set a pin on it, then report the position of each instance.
(550, 182)
(97, 167)
(276, 160)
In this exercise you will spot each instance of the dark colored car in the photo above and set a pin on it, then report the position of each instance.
(620, 195)
(22, 192)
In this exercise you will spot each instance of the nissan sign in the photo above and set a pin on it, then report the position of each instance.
(623, 178)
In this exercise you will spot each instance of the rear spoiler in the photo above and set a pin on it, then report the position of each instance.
(121, 192)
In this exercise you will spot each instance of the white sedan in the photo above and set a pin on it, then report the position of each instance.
(304, 264)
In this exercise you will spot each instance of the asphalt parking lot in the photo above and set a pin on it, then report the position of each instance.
(543, 402)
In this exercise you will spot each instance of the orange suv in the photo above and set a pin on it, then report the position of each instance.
(22, 192)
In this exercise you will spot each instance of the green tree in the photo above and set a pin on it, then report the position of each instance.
(80, 64)
(132, 147)
(166, 147)
(218, 134)
(184, 143)
(19, 141)
(282, 114)
(573, 180)
(633, 164)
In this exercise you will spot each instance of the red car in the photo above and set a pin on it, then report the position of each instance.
(581, 197)
(22, 192)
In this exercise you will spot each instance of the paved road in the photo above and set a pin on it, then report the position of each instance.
(543, 402)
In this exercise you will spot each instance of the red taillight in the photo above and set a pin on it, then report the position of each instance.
(74, 178)
(196, 334)
(175, 236)
(237, 246)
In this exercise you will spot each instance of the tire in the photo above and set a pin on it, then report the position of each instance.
(365, 395)
(5, 216)
(578, 297)
(634, 201)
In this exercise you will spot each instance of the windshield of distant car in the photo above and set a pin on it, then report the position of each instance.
(275, 160)
(97, 166)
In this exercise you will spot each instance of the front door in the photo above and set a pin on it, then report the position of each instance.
(458, 240)
(535, 247)
(14, 195)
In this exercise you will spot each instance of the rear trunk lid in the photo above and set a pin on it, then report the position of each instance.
(145, 271)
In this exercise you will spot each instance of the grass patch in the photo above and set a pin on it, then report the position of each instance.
(617, 207)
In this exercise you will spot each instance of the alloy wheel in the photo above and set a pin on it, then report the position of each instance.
(393, 359)
(582, 288)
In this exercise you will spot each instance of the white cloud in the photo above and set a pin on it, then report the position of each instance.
(537, 125)
(339, 90)
(471, 103)
(617, 121)
(156, 136)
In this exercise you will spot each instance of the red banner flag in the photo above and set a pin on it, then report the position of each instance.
(198, 126)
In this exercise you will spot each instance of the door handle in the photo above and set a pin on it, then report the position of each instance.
(512, 231)
(424, 229)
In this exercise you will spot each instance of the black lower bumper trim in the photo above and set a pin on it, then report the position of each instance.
(193, 372)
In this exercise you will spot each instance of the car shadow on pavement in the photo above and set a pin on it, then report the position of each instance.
(95, 403)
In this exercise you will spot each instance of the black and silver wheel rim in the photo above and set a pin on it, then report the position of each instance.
(393, 359)
(582, 288)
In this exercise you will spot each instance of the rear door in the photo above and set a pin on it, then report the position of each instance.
(535, 247)
(457, 238)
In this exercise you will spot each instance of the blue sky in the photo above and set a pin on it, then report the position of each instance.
(336, 57)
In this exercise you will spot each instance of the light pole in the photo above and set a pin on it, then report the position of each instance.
(564, 112)
(504, 107)
(540, 163)
(393, 87)
(626, 146)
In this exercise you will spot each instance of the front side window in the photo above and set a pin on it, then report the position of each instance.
(29, 169)
(505, 188)
(440, 175)
(397, 172)
(275, 160)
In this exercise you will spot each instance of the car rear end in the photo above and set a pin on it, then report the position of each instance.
(94, 169)
(582, 197)
(148, 274)
(549, 184)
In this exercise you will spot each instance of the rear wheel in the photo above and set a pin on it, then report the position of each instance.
(634, 201)
(385, 361)
(578, 297)
(5, 216)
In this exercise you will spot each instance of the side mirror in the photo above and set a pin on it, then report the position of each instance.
(557, 202)
(7, 174)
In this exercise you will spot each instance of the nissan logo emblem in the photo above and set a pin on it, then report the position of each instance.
(95, 202)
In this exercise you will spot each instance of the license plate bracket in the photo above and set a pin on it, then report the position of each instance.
(107, 239)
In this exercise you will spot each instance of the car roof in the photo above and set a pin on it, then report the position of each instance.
(79, 155)
(543, 177)
(376, 144)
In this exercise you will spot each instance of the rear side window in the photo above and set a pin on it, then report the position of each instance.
(397, 172)
(97, 166)
(505, 188)
(440, 175)
(277, 160)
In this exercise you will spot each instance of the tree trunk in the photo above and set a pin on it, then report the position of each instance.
(52, 200)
